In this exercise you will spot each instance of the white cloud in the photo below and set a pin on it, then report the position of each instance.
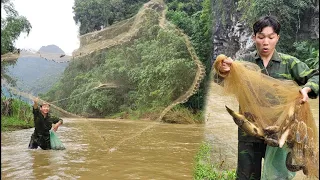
(52, 23)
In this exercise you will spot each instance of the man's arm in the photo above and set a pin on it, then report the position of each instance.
(35, 103)
(307, 78)
(57, 122)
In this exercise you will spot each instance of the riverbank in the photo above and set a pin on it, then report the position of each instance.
(13, 123)
(15, 114)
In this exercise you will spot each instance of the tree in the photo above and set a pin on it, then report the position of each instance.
(194, 17)
(11, 26)
(91, 15)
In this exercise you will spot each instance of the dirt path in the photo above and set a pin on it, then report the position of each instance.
(221, 131)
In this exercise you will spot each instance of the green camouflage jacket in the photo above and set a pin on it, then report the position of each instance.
(283, 66)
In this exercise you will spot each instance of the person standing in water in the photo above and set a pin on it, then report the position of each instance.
(43, 121)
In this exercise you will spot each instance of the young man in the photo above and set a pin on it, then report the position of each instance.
(43, 123)
(266, 30)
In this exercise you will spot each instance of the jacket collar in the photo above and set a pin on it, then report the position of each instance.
(275, 56)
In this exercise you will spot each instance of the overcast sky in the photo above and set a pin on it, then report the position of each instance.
(52, 23)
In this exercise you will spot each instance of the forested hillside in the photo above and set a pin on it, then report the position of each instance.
(150, 65)
(145, 57)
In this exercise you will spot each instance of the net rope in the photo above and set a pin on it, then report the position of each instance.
(28, 53)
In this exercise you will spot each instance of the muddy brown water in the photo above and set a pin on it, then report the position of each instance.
(165, 151)
(141, 149)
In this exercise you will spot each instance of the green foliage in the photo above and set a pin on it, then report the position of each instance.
(313, 62)
(188, 6)
(308, 53)
(11, 27)
(20, 118)
(13, 123)
(91, 15)
(181, 20)
(287, 12)
(204, 169)
(150, 72)
(195, 19)
(182, 115)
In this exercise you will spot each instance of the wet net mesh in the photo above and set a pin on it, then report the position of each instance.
(274, 107)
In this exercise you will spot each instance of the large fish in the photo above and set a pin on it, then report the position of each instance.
(246, 125)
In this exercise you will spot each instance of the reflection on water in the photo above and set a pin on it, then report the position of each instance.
(165, 151)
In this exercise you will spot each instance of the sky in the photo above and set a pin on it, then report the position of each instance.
(52, 23)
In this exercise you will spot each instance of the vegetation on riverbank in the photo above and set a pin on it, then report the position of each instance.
(150, 73)
(15, 114)
(205, 169)
(178, 115)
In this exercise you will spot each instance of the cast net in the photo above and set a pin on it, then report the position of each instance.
(94, 47)
(273, 107)
(148, 26)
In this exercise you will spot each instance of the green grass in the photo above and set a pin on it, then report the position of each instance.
(182, 115)
(13, 123)
(205, 170)
(21, 116)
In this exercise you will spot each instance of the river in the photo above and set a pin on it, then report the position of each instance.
(126, 149)
(163, 151)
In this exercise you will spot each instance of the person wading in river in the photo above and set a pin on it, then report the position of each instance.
(266, 30)
(43, 123)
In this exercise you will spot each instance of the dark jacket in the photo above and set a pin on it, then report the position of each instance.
(43, 124)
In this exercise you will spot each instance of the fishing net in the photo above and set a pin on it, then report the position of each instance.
(93, 48)
(55, 142)
(148, 26)
(272, 109)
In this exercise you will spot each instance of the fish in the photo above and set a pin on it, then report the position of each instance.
(272, 136)
(246, 125)
(294, 167)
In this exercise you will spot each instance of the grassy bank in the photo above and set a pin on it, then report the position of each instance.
(205, 169)
(15, 114)
(177, 115)
(12, 123)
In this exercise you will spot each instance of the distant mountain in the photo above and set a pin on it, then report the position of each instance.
(50, 52)
(51, 49)
(36, 75)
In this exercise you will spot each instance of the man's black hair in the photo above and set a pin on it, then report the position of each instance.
(266, 21)
(44, 104)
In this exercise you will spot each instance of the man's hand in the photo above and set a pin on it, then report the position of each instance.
(225, 65)
(56, 126)
(35, 102)
(304, 92)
